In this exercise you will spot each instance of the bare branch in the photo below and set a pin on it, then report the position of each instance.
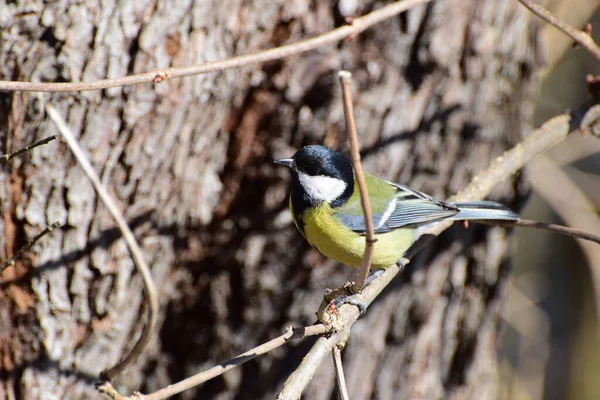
(561, 229)
(28, 245)
(358, 25)
(297, 381)
(580, 37)
(7, 157)
(549, 134)
(290, 334)
(339, 373)
(136, 252)
(365, 265)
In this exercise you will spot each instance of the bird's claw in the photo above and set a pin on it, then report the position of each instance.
(354, 299)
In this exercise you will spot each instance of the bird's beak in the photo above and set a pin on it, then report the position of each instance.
(286, 162)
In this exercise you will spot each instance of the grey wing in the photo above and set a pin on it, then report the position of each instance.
(410, 208)
(415, 208)
(356, 220)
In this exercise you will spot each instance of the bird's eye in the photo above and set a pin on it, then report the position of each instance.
(311, 169)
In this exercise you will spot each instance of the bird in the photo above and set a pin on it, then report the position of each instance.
(325, 205)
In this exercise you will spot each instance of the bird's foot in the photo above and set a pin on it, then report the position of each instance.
(336, 298)
(353, 300)
(372, 276)
(402, 263)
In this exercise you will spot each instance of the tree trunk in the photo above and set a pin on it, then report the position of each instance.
(439, 92)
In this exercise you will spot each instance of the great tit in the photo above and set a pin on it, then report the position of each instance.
(326, 208)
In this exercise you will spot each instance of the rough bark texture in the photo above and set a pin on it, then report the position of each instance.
(441, 90)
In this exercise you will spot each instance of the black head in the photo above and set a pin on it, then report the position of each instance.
(320, 160)
(320, 174)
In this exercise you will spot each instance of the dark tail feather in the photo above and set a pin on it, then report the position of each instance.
(484, 210)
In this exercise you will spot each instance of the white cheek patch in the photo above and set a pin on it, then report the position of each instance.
(322, 188)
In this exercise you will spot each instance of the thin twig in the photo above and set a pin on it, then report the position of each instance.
(136, 252)
(28, 245)
(365, 265)
(358, 25)
(561, 229)
(290, 334)
(549, 134)
(7, 157)
(580, 37)
(339, 373)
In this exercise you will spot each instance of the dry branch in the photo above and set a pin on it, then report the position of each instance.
(563, 230)
(7, 157)
(357, 26)
(580, 37)
(290, 334)
(136, 252)
(339, 373)
(28, 245)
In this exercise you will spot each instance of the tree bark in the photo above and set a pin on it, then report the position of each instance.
(439, 92)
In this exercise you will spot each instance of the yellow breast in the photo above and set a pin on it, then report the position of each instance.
(339, 243)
